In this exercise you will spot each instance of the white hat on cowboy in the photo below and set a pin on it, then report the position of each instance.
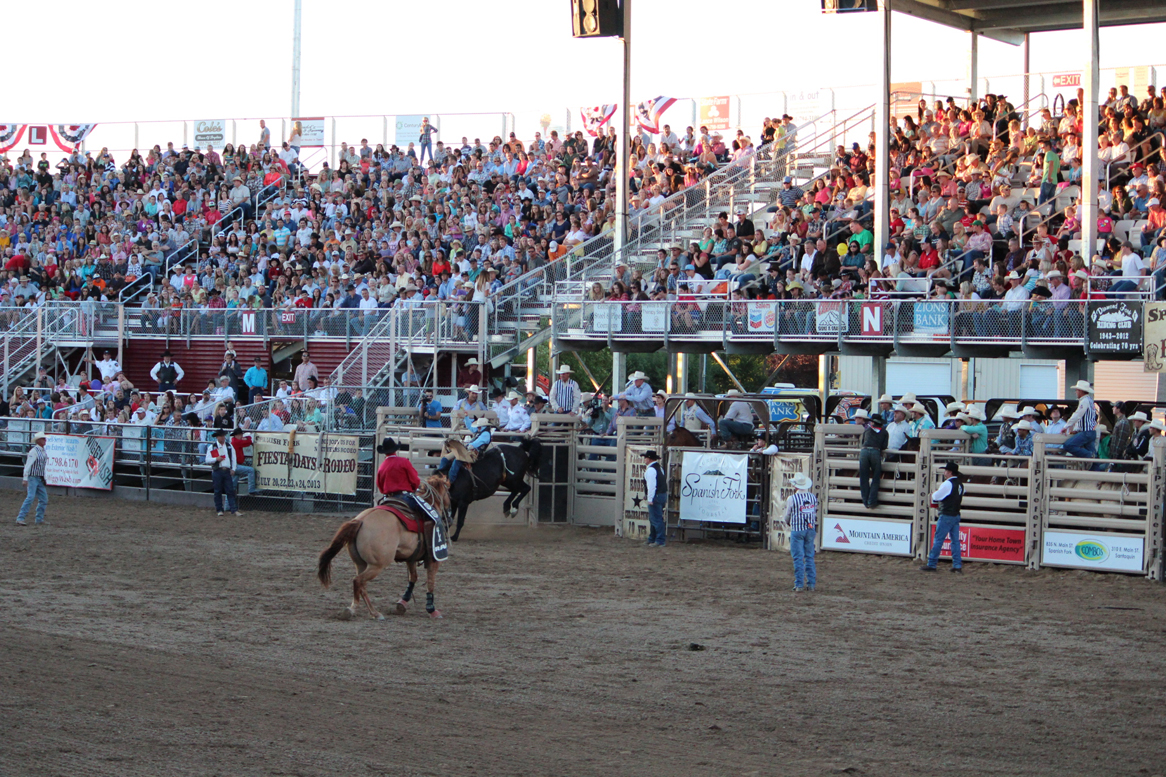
(39, 436)
(1030, 410)
(732, 393)
(954, 407)
(482, 423)
(885, 398)
(1023, 425)
(1156, 424)
(1083, 385)
(637, 375)
(662, 393)
(563, 370)
(1009, 412)
(1139, 416)
(1101, 428)
(801, 481)
(472, 363)
(690, 395)
(474, 389)
(860, 413)
(1012, 276)
(907, 399)
(900, 409)
(514, 395)
(918, 408)
(587, 396)
(976, 412)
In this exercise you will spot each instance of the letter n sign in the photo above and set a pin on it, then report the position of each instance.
(248, 322)
(872, 318)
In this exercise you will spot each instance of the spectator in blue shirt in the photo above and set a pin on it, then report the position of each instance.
(430, 410)
(256, 381)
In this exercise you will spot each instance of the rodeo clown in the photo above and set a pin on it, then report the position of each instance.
(476, 444)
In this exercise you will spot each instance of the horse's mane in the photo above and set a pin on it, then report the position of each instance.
(433, 490)
(457, 449)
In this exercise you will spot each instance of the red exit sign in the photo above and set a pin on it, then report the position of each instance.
(1067, 79)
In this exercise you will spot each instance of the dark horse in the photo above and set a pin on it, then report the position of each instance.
(682, 438)
(501, 466)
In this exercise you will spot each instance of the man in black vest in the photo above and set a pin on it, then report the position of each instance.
(948, 498)
(167, 373)
(656, 488)
(870, 461)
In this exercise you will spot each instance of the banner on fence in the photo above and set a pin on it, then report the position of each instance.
(654, 317)
(714, 112)
(985, 543)
(762, 316)
(713, 486)
(1154, 337)
(79, 462)
(606, 317)
(831, 318)
(931, 318)
(311, 132)
(1112, 552)
(1115, 327)
(213, 131)
(408, 130)
(866, 536)
(293, 461)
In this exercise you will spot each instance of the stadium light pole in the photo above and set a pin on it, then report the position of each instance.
(295, 102)
(624, 140)
(882, 221)
(1089, 113)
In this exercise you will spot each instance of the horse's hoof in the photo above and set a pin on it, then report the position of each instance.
(345, 615)
(436, 615)
(402, 607)
(514, 511)
(380, 617)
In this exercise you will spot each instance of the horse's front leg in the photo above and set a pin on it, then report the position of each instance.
(403, 602)
(430, 585)
(461, 520)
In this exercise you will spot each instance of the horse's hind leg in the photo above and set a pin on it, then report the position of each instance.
(360, 591)
(461, 520)
(519, 495)
(361, 566)
(430, 585)
(403, 602)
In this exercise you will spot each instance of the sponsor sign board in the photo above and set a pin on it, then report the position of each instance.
(1115, 327)
(713, 486)
(762, 317)
(872, 318)
(311, 132)
(867, 536)
(606, 317)
(79, 461)
(294, 461)
(931, 318)
(984, 543)
(714, 112)
(654, 317)
(1154, 337)
(212, 131)
(408, 130)
(831, 317)
(1112, 552)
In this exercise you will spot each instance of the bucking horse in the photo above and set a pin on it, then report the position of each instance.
(501, 466)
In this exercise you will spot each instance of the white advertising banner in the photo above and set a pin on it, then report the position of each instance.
(408, 130)
(79, 462)
(712, 487)
(654, 317)
(212, 131)
(1112, 552)
(311, 132)
(291, 461)
(866, 536)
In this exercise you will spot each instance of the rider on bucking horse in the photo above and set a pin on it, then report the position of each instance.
(476, 444)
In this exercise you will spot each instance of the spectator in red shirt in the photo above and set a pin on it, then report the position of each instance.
(241, 441)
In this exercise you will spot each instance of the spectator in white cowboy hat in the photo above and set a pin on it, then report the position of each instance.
(1029, 414)
(860, 417)
(951, 415)
(920, 419)
(690, 416)
(737, 420)
(623, 409)
(639, 393)
(658, 401)
(978, 431)
(1082, 424)
(801, 519)
(471, 403)
(1141, 448)
(34, 481)
(518, 420)
(898, 430)
(469, 374)
(565, 394)
(1021, 444)
(885, 405)
(1005, 436)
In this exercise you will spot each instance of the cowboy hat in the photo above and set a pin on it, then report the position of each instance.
(877, 419)
(1030, 410)
(1158, 425)
(1139, 416)
(885, 398)
(514, 395)
(907, 399)
(1009, 412)
(954, 406)
(1101, 428)
(899, 409)
(637, 375)
(482, 423)
(976, 412)
(952, 467)
(918, 408)
(1083, 385)
(388, 446)
(215, 433)
(472, 363)
(662, 393)
(39, 436)
(732, 393)
(860, 413)
(474, 389)
(651, 455)
(690, 395)
(1023, 425)
(801, 481)
(563, 370)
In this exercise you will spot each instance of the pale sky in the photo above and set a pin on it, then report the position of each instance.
(234, 59)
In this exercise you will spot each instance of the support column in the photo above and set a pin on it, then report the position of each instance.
(619, 363)
(1024, 116)
(1078, 368)
(681, 384)
(623, 141)
(882, 222)
(974, 69)
(879, 374)
(1090, 175)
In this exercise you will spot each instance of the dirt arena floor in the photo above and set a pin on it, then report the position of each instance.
(146, 640)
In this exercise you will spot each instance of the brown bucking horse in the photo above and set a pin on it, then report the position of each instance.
(377, 538)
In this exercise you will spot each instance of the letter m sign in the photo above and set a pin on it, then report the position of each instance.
(248, 322)
(872, 318)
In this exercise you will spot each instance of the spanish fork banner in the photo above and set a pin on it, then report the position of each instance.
(713, 486)
(79, 461)
(294, 461)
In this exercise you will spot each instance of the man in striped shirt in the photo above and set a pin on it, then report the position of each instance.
(34, 480)
(565, 393)
(801, 516)
(1082, 424)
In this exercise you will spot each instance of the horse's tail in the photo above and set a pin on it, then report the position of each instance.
(534, 452)
(344, 535)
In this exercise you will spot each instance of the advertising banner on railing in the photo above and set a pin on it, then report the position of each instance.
(311, 132)
(212, 131)
(985, 543)
(294, 461)
(861, 535)
(713, 112)
(1112, 552)
(408, 130)
(606, 318)
(1154, 337)
(79, 461)
(1115, 327)
(762, 317)
(831, 318)
(713, 486)
(654, 317)
(931, 318)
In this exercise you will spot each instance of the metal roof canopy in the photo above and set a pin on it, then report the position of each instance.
(1009, 20)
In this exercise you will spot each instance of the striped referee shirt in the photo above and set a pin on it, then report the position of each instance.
(565, 396)
(34, 465)
(1084, 418)
(801, 511)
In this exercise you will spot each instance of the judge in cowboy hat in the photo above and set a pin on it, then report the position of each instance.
(1022, 444)
(470, 374)
(565, 394)
(518, 419)
(470, 404)
(1082, 425)
(886, 405)
(801, 516)
(690, 415)
(639, 393)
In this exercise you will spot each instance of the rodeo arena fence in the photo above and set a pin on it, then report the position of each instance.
(1043, 510)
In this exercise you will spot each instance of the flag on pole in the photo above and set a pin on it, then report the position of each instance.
(648, 113)
(595, 117)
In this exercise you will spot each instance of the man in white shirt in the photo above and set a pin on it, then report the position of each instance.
(518, 420)
(224, 393)
(898, 430)
(738, 419)
(690, 416)
(502, 408)
(107, 366)
(221, 457)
